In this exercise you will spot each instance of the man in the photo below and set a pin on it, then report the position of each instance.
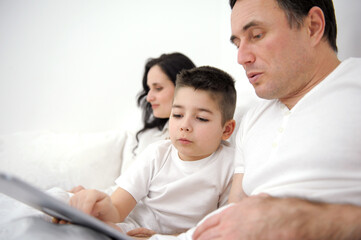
(302, 145)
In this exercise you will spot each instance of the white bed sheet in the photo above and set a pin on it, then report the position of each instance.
(19, 221)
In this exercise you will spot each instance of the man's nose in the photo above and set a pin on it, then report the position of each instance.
(245, 54)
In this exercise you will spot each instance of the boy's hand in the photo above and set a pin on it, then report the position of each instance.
(59, 221)
(141, 233)
(77, 189)
(95, 203)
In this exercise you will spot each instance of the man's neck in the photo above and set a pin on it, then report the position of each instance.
(322, 67)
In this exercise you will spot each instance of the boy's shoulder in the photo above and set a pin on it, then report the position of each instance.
(225, 146)
(225, 150)
(160, 144)
(157, 148)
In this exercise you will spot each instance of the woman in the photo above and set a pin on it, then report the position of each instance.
(155, 100)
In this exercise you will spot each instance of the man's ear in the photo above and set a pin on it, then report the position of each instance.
(315, 24)
(228, 129)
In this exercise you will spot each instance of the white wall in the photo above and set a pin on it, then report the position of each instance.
(348, 16)
(76, 65)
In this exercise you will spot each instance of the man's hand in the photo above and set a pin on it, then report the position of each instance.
(240, 221)
(263, 217)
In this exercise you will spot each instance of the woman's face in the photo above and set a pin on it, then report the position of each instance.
(161, 92)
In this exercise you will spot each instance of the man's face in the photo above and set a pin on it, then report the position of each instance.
(274, 55)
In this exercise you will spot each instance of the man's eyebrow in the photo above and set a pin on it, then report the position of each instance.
(250, 24)
(245, 28)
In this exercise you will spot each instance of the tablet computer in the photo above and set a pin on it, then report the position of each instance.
(36, 198)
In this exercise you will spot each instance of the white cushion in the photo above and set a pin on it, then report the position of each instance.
(64, 160)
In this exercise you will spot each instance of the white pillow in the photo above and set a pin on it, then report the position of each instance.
(64, 160)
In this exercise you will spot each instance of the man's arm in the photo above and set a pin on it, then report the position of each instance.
(262, 217)
(236, 193)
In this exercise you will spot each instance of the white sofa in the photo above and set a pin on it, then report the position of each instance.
(61, 160)
(94, 160)
(51, 161)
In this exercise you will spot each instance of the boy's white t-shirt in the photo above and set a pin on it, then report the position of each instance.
(174, 195)
(133, 148)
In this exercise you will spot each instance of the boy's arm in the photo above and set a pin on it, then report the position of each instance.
(101, 206)
(124, 202)
(236, 193)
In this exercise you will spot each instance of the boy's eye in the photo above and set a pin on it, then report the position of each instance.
(158, 89)
(176, 115)
(202, 119)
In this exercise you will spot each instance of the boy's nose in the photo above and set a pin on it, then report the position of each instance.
(185, 125)
(187, 129)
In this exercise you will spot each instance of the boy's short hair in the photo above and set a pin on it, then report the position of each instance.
(218, 83)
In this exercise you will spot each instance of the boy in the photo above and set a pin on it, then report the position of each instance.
(175, 183)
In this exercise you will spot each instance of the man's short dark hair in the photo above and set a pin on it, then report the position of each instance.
(297, 10)
(218, 83)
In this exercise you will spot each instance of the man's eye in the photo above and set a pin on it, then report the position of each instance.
(159, 89)
(176, 115)
(236, 44)
(258, 36)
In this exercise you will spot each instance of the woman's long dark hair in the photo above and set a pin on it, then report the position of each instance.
(171, 64)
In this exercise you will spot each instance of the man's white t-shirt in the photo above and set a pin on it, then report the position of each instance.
(173, 195)
(312, 151)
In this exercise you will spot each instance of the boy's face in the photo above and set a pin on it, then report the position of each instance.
(195, 124)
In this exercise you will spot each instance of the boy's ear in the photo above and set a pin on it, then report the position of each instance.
(228, 129)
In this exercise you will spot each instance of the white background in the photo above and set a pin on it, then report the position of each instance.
(77, 65)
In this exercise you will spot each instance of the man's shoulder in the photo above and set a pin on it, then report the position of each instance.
(349, 66)
(261, 106)
(352, 60)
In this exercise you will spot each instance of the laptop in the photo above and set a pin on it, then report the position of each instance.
(36, 198)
